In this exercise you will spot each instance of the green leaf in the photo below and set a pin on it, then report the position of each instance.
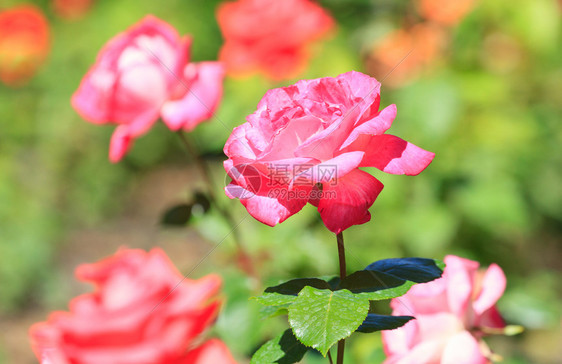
(375, 285)
(419, 270)
(275, 299)
(283, 349)
(273, 311)
(440, 264)
(388, 293)
(280, 297)
(375, 322)
(177, 215)
(294, 286)
(369, 281)
(201, 202)
(320, 318)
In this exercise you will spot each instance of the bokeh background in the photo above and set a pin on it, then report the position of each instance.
(484, 94)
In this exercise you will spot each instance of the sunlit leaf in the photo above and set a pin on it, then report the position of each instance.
(320, 318)
(283, 349)
(275, 299)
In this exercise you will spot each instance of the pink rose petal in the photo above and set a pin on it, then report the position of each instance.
(347, 202)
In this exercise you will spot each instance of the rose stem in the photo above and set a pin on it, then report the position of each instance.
(244, 260)
(343, 274)
(330, 357)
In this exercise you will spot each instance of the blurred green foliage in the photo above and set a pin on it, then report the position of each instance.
(490, 110)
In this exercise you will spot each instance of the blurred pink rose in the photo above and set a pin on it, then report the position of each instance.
(270, 36)
(142, 311)
(143, 74)
(306, 142)
(452, 314)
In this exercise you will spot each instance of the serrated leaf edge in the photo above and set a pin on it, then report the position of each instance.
(332, 294)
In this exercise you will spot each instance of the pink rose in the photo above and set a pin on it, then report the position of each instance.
(144, 74)
(306, 143)
(142, 311)
(452, 314)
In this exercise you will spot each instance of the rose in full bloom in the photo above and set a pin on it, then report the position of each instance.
(445, 12)
(452, 314)
(24, 43)
(270, 36)
(306, 143)
(142, 311)
(71, 9)
(144, 74)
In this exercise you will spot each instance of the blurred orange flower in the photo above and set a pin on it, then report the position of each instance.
(71, 9)
(270, 36)
(24, 43)
(447, 12)
(404, 53)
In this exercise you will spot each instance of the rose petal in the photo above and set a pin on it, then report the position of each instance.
(138, 90)
(440, 325)
(121, 142)
(270, 205)
(204, 83)
(241, 144)
(463, 348)
(490, 318)
(213, 351)
(493, 285)
(425, 298)
(324, 144)
(347, 202)
(288, 139)
(396, 156)
(123, 137)
(332, 169)
(459, 274)
(93, 96)
(374, 126)
(426, 352)
(362, 86)
(401, 340)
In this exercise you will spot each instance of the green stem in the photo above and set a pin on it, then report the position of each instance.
(343, 274)
(203, 167)
(244, 260)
